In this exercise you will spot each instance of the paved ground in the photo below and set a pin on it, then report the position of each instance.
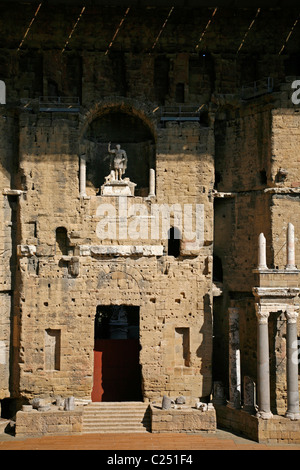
(221, 440)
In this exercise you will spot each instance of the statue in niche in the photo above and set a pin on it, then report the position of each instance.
(118, 163)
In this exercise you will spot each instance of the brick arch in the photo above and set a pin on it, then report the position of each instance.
(125, 105)
(120, 121)
(120, 286)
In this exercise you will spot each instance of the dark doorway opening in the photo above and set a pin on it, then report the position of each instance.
(117, 371)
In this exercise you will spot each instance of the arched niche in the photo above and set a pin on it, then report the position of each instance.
(133, 135)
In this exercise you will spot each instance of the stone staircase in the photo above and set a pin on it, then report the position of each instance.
(116, 417)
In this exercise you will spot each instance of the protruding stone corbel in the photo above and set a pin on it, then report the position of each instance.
(12, 192)
(73, 264)
(26, 250)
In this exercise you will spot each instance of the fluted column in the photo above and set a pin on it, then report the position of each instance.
(292, 364)
(263, 369)
(262, 255)
(151, 183)
(234, 359)
(290, 247)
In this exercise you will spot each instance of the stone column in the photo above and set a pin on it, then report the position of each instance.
(290, 247)
(234, 359)
(151, 183)
(82, 175)
(262, 254)
(263, 369)
(292, 364)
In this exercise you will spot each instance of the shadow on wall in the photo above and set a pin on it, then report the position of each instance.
(206, 345)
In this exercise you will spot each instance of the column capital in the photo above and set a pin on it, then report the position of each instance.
(262, 313)
(291, 313)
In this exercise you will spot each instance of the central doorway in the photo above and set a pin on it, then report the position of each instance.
(117, 370)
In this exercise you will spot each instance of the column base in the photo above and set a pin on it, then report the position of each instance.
(292, 416)
(264, 414)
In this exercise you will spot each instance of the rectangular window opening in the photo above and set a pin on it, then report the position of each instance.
(182, 347)
(52, 349)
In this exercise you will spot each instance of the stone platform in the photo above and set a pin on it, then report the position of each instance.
(278, 429)
(184, 419)
(118, 188)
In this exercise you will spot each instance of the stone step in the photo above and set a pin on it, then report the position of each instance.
(114, 424)
(116, 417)
(118, 420)
(112, 411)
(126, 404)
(114, 431)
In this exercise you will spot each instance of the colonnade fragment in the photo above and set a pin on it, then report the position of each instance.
(269, 299)
(277, 299)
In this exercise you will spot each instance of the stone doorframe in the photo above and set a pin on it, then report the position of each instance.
(271, 300)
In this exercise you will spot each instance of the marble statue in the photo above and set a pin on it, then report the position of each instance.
(118, 163)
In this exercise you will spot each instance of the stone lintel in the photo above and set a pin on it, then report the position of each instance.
(275, 271)
(284, 293)
(26, 250)
(123, 250)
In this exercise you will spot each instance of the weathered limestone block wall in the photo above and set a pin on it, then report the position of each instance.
(266, 206)
(183, 420)
(5, 325)
(167, 300)
(284, 210)
(61, 281)
(174, 295)
(239, 220)
(242, 212)
(285, 151)
(243, 148)
(242, 169)
(56, 423)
